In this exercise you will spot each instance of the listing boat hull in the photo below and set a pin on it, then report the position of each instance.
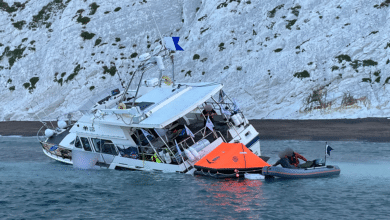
(148, 126)
(313, 172)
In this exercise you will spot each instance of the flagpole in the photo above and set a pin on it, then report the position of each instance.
(204, 117)
(189, 132)
(146, 136)
(181, 155)
(326, 144)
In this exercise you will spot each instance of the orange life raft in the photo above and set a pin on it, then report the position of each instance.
(229, 160)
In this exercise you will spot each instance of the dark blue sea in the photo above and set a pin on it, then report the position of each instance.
(33, 186)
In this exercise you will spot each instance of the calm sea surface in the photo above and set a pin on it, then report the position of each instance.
(32, 186)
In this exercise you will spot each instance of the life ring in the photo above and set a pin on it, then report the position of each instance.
(167, 80)
(121, 106)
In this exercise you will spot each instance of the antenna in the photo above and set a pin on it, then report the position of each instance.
(151, 13)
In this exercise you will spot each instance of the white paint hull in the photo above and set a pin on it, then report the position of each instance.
(119, 162)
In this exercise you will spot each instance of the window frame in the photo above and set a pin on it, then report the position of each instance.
(90, 148)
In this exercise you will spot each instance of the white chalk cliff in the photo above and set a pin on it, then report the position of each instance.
(280, 59)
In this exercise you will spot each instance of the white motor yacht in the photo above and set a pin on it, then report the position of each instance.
(159, 125)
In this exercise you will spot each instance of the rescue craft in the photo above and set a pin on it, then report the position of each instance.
(317, 170)
(155, 124)
(229, 160)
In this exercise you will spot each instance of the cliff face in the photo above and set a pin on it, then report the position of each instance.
(279, 59)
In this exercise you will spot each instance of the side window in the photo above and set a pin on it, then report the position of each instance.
(135, 139)
(77, 142)
(109, 148)
(86, 145)
(97, 143)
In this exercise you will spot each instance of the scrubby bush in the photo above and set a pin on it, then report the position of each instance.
(278, 50)
(86, 35)
(133, 55)
(94, 8)
(303, 74)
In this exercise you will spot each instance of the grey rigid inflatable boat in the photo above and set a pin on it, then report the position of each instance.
(322, 171)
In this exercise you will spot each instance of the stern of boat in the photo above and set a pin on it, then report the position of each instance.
(247, 135)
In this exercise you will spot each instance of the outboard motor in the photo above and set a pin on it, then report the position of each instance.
(319, 162)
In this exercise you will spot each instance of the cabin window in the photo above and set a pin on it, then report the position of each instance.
(109, 148)
(97, 143)
(135, 139)
(86, 145)
(104, 146)
(126, 151)
(77, 143)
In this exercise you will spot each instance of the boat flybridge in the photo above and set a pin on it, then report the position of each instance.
(159, 125)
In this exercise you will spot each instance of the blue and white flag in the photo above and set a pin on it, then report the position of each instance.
(328, 149)
(225, 111)
(236, 107)
(209, 124)
(189, 132)
(178, 148)
(172, 43)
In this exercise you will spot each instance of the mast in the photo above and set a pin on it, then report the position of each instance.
(139, 85)
(127, 88)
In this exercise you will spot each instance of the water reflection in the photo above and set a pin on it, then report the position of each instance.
(233, 194)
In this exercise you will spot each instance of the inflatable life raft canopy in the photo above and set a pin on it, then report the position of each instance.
(230, 158)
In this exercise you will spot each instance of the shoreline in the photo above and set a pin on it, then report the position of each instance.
(364, 129)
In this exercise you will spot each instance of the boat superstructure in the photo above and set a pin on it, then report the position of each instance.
(159, 125)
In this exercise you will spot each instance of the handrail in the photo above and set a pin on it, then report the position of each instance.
(165, 144)
(234, 127)
(222, 136)
(181, 143)
(38, 134)
(185, 140)
(154, 149)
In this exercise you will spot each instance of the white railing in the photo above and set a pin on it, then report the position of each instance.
(204, 136)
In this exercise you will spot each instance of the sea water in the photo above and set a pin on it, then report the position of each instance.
(33, 186)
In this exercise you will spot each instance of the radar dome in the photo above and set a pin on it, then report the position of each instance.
(49, 133)
(61, 124)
